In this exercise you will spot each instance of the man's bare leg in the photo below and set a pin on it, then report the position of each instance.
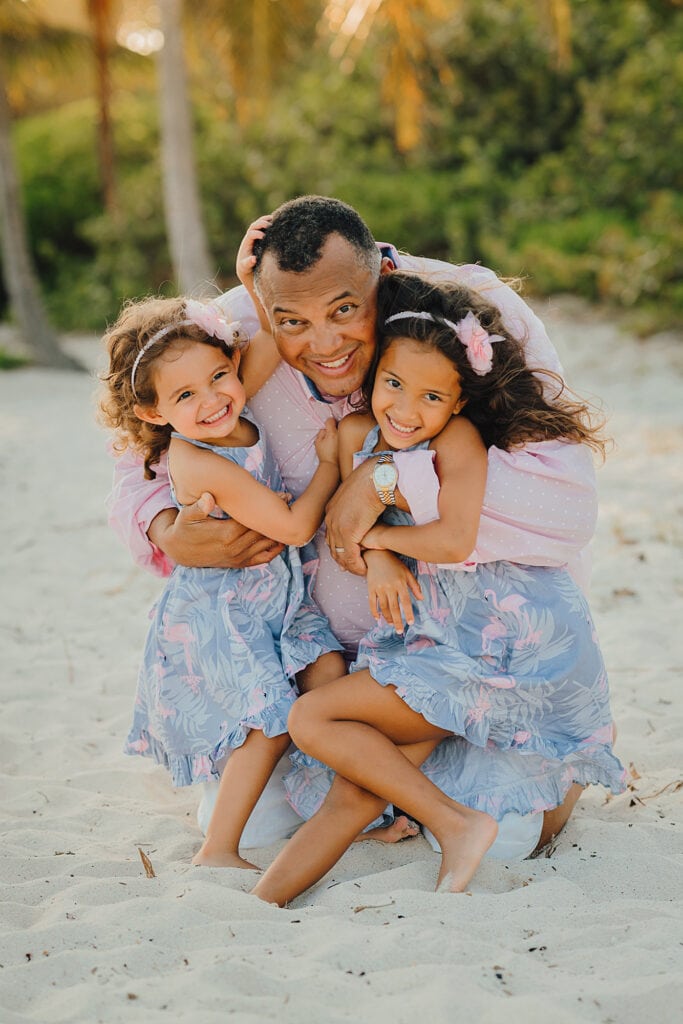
(317, 846)
(243, 780)
(555, 820)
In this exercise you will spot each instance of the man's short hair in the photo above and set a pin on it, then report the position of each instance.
(300, 228)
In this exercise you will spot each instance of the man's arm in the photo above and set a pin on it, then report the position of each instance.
(191, 537)
(355, 507)
(142, 514)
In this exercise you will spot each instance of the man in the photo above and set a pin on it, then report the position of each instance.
(317, 270)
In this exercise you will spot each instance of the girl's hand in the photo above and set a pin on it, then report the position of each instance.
(390, 584)
(191, 537)
(245, 253)
(373, 540)
(327, 444)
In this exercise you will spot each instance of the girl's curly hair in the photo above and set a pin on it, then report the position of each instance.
(510, 405)
(137, 323)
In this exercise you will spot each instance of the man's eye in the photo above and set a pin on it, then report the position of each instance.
(290, 324)
(348, 307)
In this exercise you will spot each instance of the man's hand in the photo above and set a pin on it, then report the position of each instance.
(191, 537)
(351, 512)
(390, 584)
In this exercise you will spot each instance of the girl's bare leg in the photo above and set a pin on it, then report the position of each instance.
(356, 727)
(320, 842)
(243, 780)
(327, 668)
(401, 828)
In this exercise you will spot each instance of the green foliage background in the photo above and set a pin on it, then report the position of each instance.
(570, 178)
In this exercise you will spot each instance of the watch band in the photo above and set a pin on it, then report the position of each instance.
(386, 494)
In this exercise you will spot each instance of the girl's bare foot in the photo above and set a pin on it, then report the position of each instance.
(463, 844)
(401, 828)
(208, 858)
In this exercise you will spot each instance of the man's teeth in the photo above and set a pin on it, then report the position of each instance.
(336, 363)
(217, 415)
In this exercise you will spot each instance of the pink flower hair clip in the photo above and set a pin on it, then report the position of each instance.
(477, 341)
(211, 320)
(203, 315)
(469, 331)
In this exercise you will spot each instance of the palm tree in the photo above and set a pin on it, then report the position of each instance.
(251, 42)
(187, 238)
(18, 273)
(408, 56)
(100, 13)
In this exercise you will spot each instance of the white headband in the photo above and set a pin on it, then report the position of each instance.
(197, 314)
(469, 331)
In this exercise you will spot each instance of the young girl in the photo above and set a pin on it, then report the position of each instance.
(225, 646)
(501, 655)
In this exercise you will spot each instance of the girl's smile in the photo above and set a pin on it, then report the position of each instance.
(198, 392)
(417, 390)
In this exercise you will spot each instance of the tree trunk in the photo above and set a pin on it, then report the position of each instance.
(99, 12)
(184, 225)
(19, 276)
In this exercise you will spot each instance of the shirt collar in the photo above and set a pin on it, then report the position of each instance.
(390, 251)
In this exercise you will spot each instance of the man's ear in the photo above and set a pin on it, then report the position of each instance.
(149, 414)
(386, 266)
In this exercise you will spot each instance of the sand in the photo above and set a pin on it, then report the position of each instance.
(590, 933)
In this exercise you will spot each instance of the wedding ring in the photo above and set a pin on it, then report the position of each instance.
(340, 549)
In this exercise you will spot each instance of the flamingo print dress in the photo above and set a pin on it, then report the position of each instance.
(223, 649)
(505, 657)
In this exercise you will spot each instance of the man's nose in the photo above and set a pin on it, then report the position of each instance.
(325, 340)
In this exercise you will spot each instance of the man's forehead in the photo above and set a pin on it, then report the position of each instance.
(339, 273)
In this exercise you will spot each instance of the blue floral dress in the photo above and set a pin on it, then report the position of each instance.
(223, 649)
(506, 658)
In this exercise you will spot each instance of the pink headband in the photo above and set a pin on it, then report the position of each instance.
(199, 314)
(469, 331)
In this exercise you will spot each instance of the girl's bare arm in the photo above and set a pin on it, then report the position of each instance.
(262, 358)
(461, 463)
(195, 471)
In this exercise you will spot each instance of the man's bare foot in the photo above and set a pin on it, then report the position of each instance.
(463, 845)
(401, 828)
(208, 858)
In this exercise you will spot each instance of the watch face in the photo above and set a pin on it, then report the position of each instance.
(385, 475)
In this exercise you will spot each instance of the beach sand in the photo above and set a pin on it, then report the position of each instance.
(590, 933)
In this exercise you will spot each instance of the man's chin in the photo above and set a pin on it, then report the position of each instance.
(340, 387)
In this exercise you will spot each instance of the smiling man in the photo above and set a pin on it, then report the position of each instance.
(317, 273)
(319, 288)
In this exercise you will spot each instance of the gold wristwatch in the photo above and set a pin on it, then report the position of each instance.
(385, 478)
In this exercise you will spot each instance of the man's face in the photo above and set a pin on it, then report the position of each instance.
(323, 320)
